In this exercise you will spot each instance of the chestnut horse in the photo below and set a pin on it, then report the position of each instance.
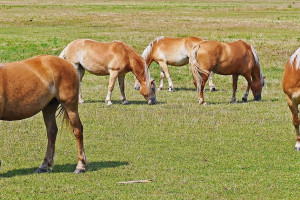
(39, 84)
(291, 88)
(236, 58)
(112, 58)
(170, 51)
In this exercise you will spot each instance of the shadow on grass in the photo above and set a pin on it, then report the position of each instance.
(119, 102)
(66, 168)
(194, 89)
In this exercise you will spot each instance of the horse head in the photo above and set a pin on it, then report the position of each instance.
(256, 88)
(148, 91)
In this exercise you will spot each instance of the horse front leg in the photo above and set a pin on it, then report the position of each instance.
(212, 86)
(165, 69)
(294, 109)
(112, 79)
(121, 79)
(234, 87)
(50, 122)
(249, 81)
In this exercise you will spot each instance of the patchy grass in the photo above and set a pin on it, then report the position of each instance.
(218, 151)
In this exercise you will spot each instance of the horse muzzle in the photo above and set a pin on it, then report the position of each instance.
(257, 97)
(152, 101)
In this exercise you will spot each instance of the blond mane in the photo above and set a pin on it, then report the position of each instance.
(147, 51)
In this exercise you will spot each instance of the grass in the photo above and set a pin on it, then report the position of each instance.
(218, 151)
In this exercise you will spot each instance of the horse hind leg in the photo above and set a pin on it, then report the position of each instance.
(71, 109)
(50, 122)
(162, 75)
(294, 109)
(212, 86)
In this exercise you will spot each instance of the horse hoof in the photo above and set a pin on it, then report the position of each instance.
(81, 101)
(160, 88)
(79, 171)
(40, 170)
(125, 102)
(233, 101)
(297, 148)
(244, 99)
(212, 89)
(171, 89)
(109, 103)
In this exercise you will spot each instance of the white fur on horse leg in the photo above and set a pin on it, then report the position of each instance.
(297, 146)
(109, 103)
(125, 102)
(201, 101)
(171, 87)
(81, 101)
(233, 100)
(137, 86)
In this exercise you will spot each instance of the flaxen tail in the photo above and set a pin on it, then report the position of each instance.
(195, 68)
(66, 119)
(63, 53)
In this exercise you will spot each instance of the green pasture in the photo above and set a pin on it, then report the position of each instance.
(217, 151)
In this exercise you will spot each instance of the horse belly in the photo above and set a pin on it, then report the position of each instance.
(178, 61)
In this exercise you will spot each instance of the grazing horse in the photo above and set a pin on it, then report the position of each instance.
(236, 58)
(170, 51)
(39, 84)
(114, 59)
(291, 88)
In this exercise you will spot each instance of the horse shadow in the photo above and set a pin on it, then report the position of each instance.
(65, 168)
(194, 89)
(119, 102)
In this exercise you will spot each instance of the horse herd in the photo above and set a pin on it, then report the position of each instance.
(42, 83)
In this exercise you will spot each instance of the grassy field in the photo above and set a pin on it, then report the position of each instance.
(218, 151)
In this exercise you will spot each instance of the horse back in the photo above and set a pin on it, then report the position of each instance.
(28, 86)
(100, 57)
(291, 81)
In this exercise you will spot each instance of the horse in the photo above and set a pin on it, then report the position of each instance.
(42, 83)
(110, 58)
(170, 51)
(235, 58)
(291, 88)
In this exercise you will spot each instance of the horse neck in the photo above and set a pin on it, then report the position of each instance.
(256, 76)
(140, 71)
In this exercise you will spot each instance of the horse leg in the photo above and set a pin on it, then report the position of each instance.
(204, 79)
(81, 74)
(162, 75)
(121, 79)
(50, 122)
(137, 84)
(164, 67)
(210, 82)
(112, 79)
(294, 109)
(245, 96)
(234, 87)
(72, 112)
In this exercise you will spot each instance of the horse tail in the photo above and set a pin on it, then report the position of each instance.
(195, 67)
(63, 53)
(256, 58)
(147, 52)
(295, 58)
(66, 119)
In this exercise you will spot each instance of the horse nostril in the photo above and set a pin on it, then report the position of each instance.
(258, 97)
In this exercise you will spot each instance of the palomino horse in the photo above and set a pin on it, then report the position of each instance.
(291, 87)
(114, 59)
(236, 58)
(38, 84)
(170, 51)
